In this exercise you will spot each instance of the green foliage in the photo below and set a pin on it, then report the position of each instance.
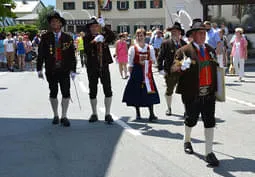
(42, 22)
(31, 29)
(4, 11)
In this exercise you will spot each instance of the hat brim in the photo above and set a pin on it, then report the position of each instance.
(174, 27)
(189, 32)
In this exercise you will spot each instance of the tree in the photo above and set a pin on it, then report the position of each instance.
(5, 8)
(42, 22)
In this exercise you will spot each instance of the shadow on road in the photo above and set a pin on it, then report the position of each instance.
(233, 164)
(148, 130)
(34, 148)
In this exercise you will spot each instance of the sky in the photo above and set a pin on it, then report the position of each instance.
(49, 2)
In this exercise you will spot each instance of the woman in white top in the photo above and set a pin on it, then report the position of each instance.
(141, 89)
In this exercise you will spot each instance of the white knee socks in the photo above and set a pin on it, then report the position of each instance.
(65, 104)
(54, 106)
(107, 103)
(93, 103)
(168, 101)
(209, 132)
(187, 137)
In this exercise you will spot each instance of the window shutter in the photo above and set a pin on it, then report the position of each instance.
(118, 29)
(127, 4)
(128, 29)
(151, 2)
(135, 28)
(118, 4)
(161, 4)
(145, 4)
(161, 27)
(135, 4)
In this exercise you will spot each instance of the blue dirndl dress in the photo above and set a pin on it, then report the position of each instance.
(135, 93)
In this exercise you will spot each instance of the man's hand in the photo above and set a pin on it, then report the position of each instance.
(101, 21)
(186, 64)
(99, 38)
(40, 74)
(72, 75)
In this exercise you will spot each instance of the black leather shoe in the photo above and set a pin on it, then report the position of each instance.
(169, 112)
(153, 118)
(108, 118)
(65, 122)
(93, 118)
(55, 120)
(212, 160)
(188, 148)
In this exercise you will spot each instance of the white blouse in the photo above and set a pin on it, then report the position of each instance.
(131, 54)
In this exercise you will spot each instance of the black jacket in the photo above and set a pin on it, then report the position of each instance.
(90, 48)
(167, 53)
(46, 53)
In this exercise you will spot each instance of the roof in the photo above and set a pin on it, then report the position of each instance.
(27, 17)
(26, 7)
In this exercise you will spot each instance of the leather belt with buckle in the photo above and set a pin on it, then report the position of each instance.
(205, 90)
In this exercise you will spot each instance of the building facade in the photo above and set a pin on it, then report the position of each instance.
(27, 11)
(120, 15)
(232, 13)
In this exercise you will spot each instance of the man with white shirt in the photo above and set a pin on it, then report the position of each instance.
(165, 60)
(9, 51)
(197, 66)
(96, 47)
(57, 51)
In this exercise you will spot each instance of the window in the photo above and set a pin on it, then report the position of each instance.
(70, 28)
(161, 27)
(89, 5)
(108, 7)
(140, 5)
(122, 5)
(140, 26)
(123, 28)
(155, 4)
(68, 5)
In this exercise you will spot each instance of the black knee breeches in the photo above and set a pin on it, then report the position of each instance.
(61, 78)
(105, 78)
(202, 104)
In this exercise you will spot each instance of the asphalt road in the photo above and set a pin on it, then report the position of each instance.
(31, 147)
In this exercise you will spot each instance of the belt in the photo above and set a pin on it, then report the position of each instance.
(204, 90)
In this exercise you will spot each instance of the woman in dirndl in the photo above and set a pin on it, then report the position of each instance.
(141, 89)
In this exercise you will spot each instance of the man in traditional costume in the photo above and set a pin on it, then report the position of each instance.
(165, 61)
(98, 60)
(57, 51)
(196, 64)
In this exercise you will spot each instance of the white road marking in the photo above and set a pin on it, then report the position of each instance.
(122, 124)
(2, 74)
(241, 102)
